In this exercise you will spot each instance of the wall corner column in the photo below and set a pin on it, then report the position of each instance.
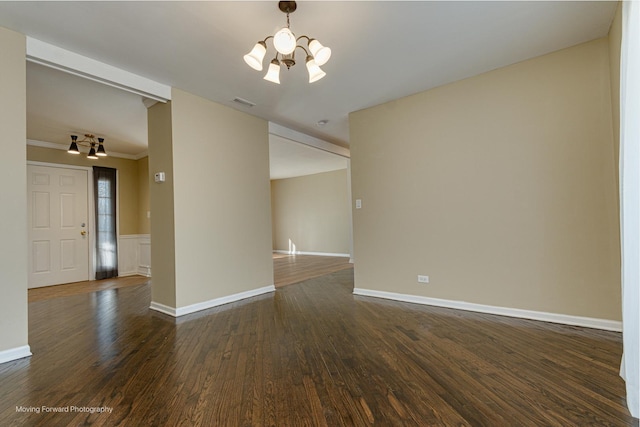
(13, 209)
(161, 200)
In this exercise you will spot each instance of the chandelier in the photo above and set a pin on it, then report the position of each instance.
(96, 147)
(285, 43)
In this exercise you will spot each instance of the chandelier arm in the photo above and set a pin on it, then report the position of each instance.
(305, 50)
(87, 141)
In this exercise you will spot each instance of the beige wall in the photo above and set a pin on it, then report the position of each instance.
(312, 212)
(221, 200)
(144, 223)
(615, 39)
(13, 194)
(210, 220)
(163, 286)
(129, 205)
(500, 187)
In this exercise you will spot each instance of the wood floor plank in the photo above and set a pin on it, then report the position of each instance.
(290, 269)
(310, 354)
(89, 286)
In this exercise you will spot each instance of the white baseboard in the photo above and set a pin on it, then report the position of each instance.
(163, 308)
(144, 270)
(181, 311)
(312, 253)
(14, 353)
(133, 273)
(587, 322)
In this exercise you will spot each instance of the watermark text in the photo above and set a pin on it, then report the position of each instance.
(44, 409)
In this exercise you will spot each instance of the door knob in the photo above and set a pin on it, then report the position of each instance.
(83, 232)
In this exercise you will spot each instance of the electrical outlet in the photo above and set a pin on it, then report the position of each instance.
(423, 279)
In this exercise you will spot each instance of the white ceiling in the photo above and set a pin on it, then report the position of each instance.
(382, 50)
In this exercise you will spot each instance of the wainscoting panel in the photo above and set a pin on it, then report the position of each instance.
(144, 255)
(134, 255)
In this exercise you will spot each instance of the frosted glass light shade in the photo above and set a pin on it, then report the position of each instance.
(273, 73)
(315, 73)
(284, 41)
(255, 57)
(320, 53)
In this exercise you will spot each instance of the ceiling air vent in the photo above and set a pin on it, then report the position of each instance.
(244, 102)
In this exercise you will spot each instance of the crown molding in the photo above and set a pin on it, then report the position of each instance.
(142, 155)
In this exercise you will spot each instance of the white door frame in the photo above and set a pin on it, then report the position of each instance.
(91, 214)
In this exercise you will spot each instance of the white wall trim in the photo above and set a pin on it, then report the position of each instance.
(15, 353)
(163, 308)
(61, 59)
(62, 166)
(65, 147)
(303, 138)
(134, 256)
(141, 155)
(312, 253)
(181, 311)
(587, 322)
(143, 253)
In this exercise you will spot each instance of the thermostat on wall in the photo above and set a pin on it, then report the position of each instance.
(159, 177)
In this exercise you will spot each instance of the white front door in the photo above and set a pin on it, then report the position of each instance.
(58, 225)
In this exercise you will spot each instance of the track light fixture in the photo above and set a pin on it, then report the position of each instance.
(285, 43)
(96, 146)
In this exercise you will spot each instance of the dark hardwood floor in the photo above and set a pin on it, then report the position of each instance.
(85, 287)
(310, 354)
(290, 269)
(287, 269)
